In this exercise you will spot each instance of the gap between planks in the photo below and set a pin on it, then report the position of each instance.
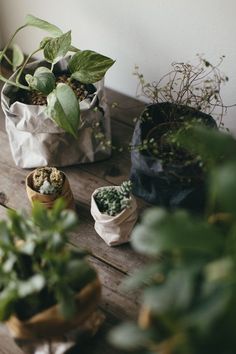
(82, 184)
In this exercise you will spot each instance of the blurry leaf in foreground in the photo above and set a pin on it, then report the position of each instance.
(129, 336)
(161, 231)
(222, 187)
(212, 145)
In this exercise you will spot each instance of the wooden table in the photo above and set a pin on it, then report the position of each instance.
(112, 264)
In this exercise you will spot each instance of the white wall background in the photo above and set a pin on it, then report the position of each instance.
(150, 33)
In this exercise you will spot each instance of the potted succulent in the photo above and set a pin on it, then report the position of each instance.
(55, 107)
(114, 210)
(162, 172)
(46, 288)
(188, 301)
(46, 185)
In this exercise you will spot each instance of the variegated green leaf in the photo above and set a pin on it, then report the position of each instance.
(56, 48)
(31, 20)
(43, 80)
(88, 67)
(17, 56)
(63, 108)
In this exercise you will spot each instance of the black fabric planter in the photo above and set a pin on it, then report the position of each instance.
(171, 184)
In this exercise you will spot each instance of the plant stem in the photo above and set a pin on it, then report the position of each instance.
(7, 59)
(25, 63)
(10, 41)
(13, 83)
(2, 78)
(52, 66)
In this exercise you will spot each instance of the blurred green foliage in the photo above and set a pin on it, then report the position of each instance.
(189, 297)
(37, 267)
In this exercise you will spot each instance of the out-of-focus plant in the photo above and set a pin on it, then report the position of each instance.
(37, 268)
(189, 298)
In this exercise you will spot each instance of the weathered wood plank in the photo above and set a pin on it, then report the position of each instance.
(122, 257)
(82, 184)
(120, 304)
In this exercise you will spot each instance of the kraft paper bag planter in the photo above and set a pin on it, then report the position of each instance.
(8, 345)
(48, 200)
(114, 230)
(36, 140)
(50, 324)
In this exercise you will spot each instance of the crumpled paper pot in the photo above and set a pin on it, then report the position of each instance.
(8, 345)
(50, 324)
(114, 230)
(48, 200)
(36, 140)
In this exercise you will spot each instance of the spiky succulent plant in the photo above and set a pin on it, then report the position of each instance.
(48, 180)
(112, 200)
(125, 188)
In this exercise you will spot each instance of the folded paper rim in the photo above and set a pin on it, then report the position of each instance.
(50, 324)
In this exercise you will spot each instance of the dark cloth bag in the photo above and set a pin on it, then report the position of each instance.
(169, 185)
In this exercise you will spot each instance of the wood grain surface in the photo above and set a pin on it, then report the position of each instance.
(112, 264)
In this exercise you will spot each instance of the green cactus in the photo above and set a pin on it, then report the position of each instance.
(125, 188)
(112, 200)
(48, 180)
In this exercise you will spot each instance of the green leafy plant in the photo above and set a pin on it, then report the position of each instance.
(189, 287)
(62, 99)
(37, 268)
(112, 200)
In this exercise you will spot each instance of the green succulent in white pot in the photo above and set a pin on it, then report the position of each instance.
(60, 97)
(114, 210)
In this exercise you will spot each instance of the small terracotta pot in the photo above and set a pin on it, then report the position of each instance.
(48, 200)
(50, 324)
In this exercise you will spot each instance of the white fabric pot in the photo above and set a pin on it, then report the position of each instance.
(114, 230)
(36, 140)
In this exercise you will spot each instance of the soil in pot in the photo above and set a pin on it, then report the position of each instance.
(188, 167)
(82, 91)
